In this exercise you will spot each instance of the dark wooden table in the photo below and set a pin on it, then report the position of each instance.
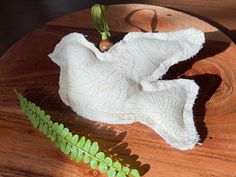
(26, 67)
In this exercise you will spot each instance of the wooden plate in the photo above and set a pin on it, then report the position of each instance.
(26, 67)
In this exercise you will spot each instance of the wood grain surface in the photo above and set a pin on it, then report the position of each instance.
(26, 67)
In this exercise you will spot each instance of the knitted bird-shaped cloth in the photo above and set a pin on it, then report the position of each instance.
(124, 84)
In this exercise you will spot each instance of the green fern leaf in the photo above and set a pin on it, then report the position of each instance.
(24, 109)
(108, 161)
(94, 148)
(47, 118)
(60, 129)
(86, 148)
(81, 142)
(58, 141)
(65, 132)
(134, 173)
(100, 156)
(27, 110)
(80, 156)
(117, 166)
(53, 137)
(73, 153)
(32, 116)
(74, 140)
(69, 136)
(87, 145)
(49, 134)
(55, 126)
(41, 113)
(87, 158)
(111, 172)
(41, 124)
(93, 163)
(67, 149)
(37, 110)
(45, 129)
(78, 148)
(36, 122)
(50, 123)
(32, 105)
(103, 167)
(126, 170)
(120, 174)
(62, 144)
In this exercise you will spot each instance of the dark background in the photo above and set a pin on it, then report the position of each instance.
(18, 17)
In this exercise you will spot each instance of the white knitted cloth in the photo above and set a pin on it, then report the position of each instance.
(123, 85)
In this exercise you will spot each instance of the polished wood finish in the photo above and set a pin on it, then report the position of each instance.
(26, 67)
(220, 13)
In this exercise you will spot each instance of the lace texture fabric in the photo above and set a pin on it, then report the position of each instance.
(124, 84)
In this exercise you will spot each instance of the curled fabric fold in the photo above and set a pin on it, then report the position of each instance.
(124, 84)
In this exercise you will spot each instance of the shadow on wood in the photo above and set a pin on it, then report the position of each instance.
(219, 26)
(153, 22)
(208, 84)
(210, 49)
